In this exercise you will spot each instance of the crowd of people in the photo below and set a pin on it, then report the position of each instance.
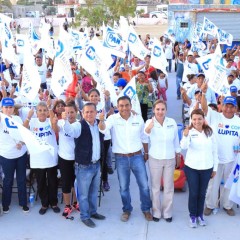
(84, 128)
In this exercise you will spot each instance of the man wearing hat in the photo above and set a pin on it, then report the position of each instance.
(42, 70)
(233, 91)
(189, 66)
(210, 95)
(226, 128)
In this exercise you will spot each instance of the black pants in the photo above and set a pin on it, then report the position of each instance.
(67, 174)
(47, 185)
(144, 110)
(104, 166)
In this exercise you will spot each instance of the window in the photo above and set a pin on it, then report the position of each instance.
(184, 25)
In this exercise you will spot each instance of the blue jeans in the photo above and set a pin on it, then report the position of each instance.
(197, 183)
(9, 166)
(169, 68)
(88, 182)
(178, 81)
(137, 165)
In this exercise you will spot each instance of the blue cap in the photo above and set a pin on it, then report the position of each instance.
(233, 89)
(121, 82)
(230, 100)
(7, 102)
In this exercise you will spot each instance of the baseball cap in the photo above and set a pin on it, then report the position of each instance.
(190, 53)
(7, 102)
(230, 100)
(121, 82)
(230, 74)
(233, 89)
(197, 91)
(201, 74)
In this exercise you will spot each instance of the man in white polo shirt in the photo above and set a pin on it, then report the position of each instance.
(226, 127)
(128, 138)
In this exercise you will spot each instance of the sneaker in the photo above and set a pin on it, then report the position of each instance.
(148, 216)
(67, 211)
(201, 221)
(43, 210)
(5, 210)
(75, 206)
(192, 222)
(207, 211)
(25, 209)
(106, 186)
(110, 170)
(230, 211)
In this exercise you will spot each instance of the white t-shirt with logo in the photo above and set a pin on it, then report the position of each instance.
(66, 143)
(8, 144)
(42, 70)
(44, 131)
(227, 132)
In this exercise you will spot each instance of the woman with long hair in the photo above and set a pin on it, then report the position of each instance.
(200, 164)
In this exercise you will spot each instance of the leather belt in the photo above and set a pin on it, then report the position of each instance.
(129, 154)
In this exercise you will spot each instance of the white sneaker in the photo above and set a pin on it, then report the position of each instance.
(193, 222)
(201, 221)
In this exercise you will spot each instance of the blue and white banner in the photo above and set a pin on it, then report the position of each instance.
(34, 144)
(30, 77)
(79, 39)
(209, 27)
(218, 74)
(33, 36)
(114, 43)
(205, 63)
(233, 183)
(135, 44)
(97, 61)
(22, 43)
(224, 37)
(197, 46)
(130, 91)
(6, 37)
(158, 58)
(62, 73)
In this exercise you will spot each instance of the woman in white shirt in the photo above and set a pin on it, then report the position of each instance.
(66, 157)
(45, 163)
(163, 152)
(200, 164)
(13, 157)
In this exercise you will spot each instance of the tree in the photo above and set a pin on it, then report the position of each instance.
(95, 14)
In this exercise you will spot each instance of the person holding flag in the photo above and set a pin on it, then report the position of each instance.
(13, 157)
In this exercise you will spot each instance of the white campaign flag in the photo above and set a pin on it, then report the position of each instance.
(224, 37)
(30, 77)
(158, 58)
(233, 183)
(62, 73)
(123, 28)
(218, 74)
(22, 43)
(8, 52)
(114, 43)
(18, 132)
(5, 19)
(130, 91)
(135, 44)
(96, 61)
(205, 62)
(78, 39)
(209, 27)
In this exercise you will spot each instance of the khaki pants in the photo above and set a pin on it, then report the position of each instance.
(159, 168)
(212, 197)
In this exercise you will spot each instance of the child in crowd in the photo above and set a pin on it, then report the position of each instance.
(162, 86)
